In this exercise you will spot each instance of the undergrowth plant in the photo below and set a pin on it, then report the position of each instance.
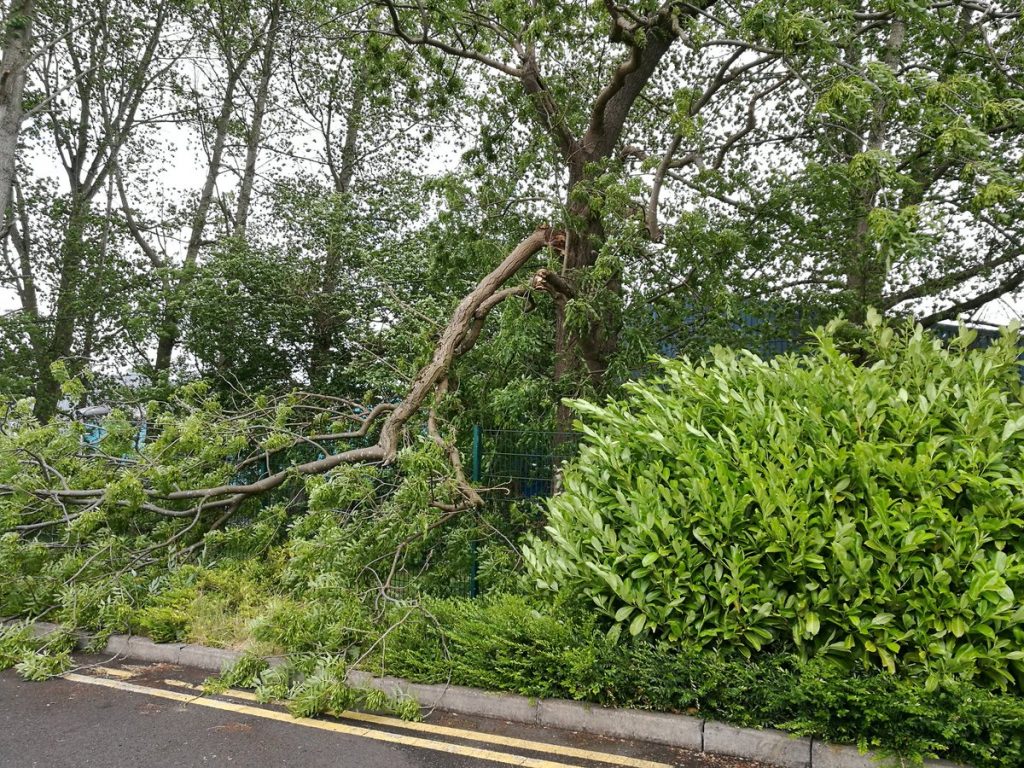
(766, 542)
(521, 645)
(309, 685)
(861, 502)
(34, 657)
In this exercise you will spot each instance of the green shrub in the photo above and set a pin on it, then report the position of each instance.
(497, 642)
(161, 623)
(504, 643)
(864, 505)
(333, 623)
(164, 616)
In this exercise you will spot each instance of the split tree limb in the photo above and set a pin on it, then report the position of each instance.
(457, 338)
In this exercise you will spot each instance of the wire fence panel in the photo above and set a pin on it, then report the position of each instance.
(521, 464)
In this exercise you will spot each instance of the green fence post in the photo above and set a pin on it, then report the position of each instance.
(478, 447)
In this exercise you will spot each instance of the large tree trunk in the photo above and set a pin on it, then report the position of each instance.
(167, 336)
(255, 136)
(581, 358)
(13, 72)
(66, 308)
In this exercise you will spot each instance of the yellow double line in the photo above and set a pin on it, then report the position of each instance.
(394, 738)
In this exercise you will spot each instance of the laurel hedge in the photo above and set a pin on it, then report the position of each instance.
(860, 502)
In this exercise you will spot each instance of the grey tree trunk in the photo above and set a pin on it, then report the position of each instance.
(167, 338)
(256, 129)
(13, 71)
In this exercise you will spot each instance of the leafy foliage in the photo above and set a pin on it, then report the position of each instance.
(508, 643)
(15, 642)
(43, 666)
(244, 673)
(861, 503)
(311, 686)
(33, 657)
(688, 160)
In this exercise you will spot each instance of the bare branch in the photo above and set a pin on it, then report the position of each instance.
(654, 231)
(399, 31)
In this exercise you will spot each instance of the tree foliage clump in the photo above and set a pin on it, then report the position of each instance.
(861, 502)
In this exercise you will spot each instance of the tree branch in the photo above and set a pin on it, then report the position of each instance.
(399, 31)
(456, 339)
(1011, 283)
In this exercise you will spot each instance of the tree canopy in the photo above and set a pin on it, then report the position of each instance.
(320, 233)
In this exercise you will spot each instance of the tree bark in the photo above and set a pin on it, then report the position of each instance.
(449, 345)
(255, 135)
(583, 356)
(167, 337)
(13, 72)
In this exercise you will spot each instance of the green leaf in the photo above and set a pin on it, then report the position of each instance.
(813, 624)
(623, 613)
(637, 625)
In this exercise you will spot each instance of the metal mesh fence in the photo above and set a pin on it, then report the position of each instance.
(521, 464)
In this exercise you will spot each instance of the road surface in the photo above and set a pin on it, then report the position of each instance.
(122, 715)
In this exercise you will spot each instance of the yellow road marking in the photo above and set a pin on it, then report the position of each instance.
(124, 674)
(234, 693)
(461, 733)
(323, 725)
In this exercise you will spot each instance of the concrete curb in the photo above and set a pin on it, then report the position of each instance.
(768, 745)
(692, 733)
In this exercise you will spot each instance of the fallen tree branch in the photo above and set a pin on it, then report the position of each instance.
(457, 338)
(471, 498)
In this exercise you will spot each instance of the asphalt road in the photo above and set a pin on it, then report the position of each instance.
(147, 716)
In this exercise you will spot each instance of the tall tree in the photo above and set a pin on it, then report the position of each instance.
(595, 80)
(229, 36)
(93, 79)
(899, 187)
(17, 50)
